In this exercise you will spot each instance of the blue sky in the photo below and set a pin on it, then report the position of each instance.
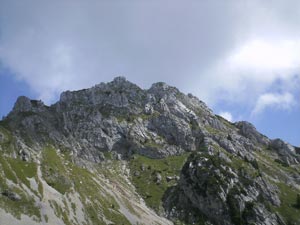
(241, 57)
(10, 90)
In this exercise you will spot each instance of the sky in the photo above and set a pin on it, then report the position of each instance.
(240, 57)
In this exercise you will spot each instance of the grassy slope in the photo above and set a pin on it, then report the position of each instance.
(60, 173)
(144, 173)
(17, 172)
(14, 174)
(288, 193)
(65, 177)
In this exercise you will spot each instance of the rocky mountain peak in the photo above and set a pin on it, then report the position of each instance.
(92, 121)
(117, 93)
(162, 90)
(280, 144)
(247, 129)
(121, 84)
(24, 104)
(186, 162)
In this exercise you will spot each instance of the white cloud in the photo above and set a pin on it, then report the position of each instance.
(60, 44)
(227, 115)
(274, 100)
(199, 47)
(267, 55)
(252, 69)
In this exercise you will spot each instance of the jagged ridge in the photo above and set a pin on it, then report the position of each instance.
(232, 174)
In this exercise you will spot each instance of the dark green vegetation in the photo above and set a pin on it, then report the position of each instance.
(210, 173)
(297, 204)
(150, 176)
(238, 216)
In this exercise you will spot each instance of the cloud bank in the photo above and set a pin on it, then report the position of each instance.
(274, 100)
(232, 51)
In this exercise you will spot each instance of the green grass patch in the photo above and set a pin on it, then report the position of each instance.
(108, 155)
(288, 194)
(7, 140)
(17, 171)
(152, 144)
(4, 124)
(212, 130)
(7, 170)
(23, 170)
(144, 172)
(63, 175)
(288, 209)
(268, 164)
(54, 171)
(100, 200)
(24, 206)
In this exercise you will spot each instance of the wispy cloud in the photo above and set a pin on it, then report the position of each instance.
(227, 115)
(274, 100)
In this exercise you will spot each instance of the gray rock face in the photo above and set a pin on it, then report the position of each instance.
(249, 131)
(119, 116)
(286, 152)
(210, 188)
(119, 93)
(282, 146)
(24, 104)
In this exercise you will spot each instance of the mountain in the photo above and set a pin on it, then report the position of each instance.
(119, 154)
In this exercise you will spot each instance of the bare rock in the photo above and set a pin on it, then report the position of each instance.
(158, 178)
(249, 131)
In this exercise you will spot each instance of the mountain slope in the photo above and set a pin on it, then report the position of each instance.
(118, 154)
